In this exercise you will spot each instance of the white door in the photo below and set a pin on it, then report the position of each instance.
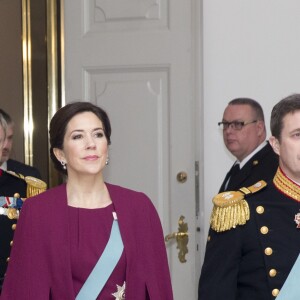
(135, 59)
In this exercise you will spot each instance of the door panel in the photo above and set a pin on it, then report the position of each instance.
(134, 58)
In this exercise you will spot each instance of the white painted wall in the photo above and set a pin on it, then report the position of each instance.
(250, 49)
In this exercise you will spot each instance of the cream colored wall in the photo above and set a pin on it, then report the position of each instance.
(11, 78)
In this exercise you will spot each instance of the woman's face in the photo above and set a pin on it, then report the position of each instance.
(85, 147)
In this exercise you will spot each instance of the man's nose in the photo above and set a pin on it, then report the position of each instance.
(5, 143)
(230, 128)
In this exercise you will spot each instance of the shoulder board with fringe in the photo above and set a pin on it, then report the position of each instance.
(10, 206)
(231, 209)
(35, 186)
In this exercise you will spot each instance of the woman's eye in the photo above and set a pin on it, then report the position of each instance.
(99, 134)
(76, 136)
(296, 134)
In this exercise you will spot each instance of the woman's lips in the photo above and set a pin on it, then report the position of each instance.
(91, 157)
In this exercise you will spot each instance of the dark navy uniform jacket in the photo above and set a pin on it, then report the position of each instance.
(262, 166)
(9, 185)
(252, 261)
(21, 168)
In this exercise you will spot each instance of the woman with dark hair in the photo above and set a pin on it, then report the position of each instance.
(86, 239)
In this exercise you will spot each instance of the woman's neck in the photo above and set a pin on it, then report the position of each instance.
(87, 193)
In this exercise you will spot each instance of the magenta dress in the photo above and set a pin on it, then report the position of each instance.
(85, 251)
(40, 260)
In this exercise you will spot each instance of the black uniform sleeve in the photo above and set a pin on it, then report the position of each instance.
(220, 269)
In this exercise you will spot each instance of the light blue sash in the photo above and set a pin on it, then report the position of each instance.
(291, 287)
(104, 267)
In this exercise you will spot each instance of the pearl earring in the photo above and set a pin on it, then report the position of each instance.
(64, 165)
(107, 160)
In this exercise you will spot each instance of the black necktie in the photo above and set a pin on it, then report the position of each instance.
(232, 172)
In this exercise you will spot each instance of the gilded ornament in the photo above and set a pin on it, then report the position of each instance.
(275, 292)
(268, 251)
(264, 229)
(35, 186)
(260, 209)
(231, 209)
(272, 273)
(12, 213)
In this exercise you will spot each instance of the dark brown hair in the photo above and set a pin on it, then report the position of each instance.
(61, 119)
(286, 106)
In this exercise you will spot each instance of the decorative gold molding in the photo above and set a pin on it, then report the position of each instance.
(54, 78)
(27, 81)
(52, 58)
(52, 72)
(62, 52)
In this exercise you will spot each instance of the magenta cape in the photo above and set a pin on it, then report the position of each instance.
(40, 268)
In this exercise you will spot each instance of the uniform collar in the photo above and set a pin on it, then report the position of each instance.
(257, 149)
(287, 186)
(4, 166)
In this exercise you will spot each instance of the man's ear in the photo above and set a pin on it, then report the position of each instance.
(275, 144)
(59, 154)
(261, 127)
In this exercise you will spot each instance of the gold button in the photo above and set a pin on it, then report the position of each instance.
(264, 230)
(14, 226)
(272, 273)
(208, 238)
(7, 260)
(275, 292)
(260, 209)
(268, 251)
(11, 243)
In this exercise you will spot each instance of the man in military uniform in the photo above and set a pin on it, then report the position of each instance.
(12, 186)
(254, 238)
(244, 135)
(9, 186)
(8, 164)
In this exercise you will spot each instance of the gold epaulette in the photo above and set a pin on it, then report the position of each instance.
(231, 209)
(35, 186)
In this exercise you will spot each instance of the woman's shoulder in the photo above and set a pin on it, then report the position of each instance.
(127, 196)
(113, 188)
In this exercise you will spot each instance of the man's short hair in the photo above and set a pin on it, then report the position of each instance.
(251, 102)
(286, 106)
(6, 116)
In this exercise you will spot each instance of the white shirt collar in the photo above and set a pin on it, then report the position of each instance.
(247, 158)
(4, 166)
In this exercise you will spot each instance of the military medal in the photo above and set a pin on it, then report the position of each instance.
(12, 213)
(120, 294)
(297, 219)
